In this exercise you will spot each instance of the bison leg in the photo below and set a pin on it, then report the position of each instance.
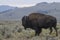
(50, 30)
(56, 31)
(37, 32)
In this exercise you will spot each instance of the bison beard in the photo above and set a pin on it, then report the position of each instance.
(37, 21)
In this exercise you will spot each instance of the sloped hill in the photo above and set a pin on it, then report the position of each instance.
(46, 8)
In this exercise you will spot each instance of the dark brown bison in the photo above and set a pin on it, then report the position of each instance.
(37, 21)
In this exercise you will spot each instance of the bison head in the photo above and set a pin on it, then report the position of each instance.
(25, 22)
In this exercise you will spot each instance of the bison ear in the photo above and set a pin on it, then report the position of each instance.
(26, 17)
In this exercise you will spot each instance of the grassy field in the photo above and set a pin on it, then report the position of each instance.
(13, 30)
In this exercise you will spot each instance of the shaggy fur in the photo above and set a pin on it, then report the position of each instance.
(38, 21)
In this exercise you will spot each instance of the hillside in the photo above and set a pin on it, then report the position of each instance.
(44, 7)
(5, 8)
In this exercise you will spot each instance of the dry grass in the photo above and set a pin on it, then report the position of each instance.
(13, 30)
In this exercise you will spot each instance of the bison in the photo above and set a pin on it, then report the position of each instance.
(38, 21)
